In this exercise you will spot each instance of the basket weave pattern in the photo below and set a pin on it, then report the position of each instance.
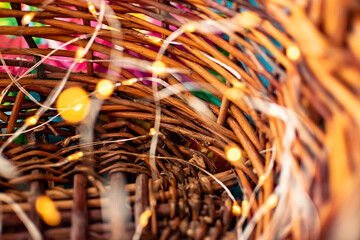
(279, 82)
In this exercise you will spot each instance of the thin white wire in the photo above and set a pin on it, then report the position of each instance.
(30, 226)
(155, 137)
(252, 198)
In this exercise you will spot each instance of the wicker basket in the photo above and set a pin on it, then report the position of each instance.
(259, 97)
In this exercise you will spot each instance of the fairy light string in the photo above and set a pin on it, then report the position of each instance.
(105, 88)
(158, 67)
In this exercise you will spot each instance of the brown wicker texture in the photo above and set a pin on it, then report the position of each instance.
(300, 151)
(187, 201)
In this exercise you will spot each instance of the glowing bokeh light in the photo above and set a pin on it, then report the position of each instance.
(152, 131)
(190, 27)
(158, 67)
(245, 207)
(262, 179)
(293, 53)
(272, 201)
(247, 19)
(129, 82)
(92, 8)
(236, 209)
(47, 210)
(232, 93)
(26, 19)
(233, 153)
(239, 85)
(52, 218)
(75, 156)
(73, 104)
(31, 120)
(155, 39)
(105, 88)
(144, 218)
(79, 54)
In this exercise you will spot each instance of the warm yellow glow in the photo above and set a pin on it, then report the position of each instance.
(129, 82)
(239, 85)
(1, 99)
(47, 210)
(105, 88)
(92, 9)
(31, 120)
(81, 60)
(144, 218)
(26, 19)
(261, 179)
(272, 201)
(79, 54)
(43, 203)
(152, 131)
(73, 104)
(52, 218)
(155, 39)
(247, 19)
(293, 53)
(233, 153)
(78, 107)
(158, 67)
(236, 209)
(75, 156)
(232, 93)
(190, 27)
(245, 207)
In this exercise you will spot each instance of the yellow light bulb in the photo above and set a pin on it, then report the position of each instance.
(73, 104)
(293, 53)
(26, 19)
(31, 120)
(91, 7)
(190, 27)
(239, 85)
(233, 153)
(78, 107)
(152, 131)
(236, 209)
(81, 60)
(79, 54)
(52, 218)
(232, 93)
(272, 201)
(105, 88)
(158, 67)
(261, 179)
(247, 19)
(47, 210)
(129, 82)
(144, 218)
(245, 207)
(75, 156)
(155, 39)
(43, 203)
